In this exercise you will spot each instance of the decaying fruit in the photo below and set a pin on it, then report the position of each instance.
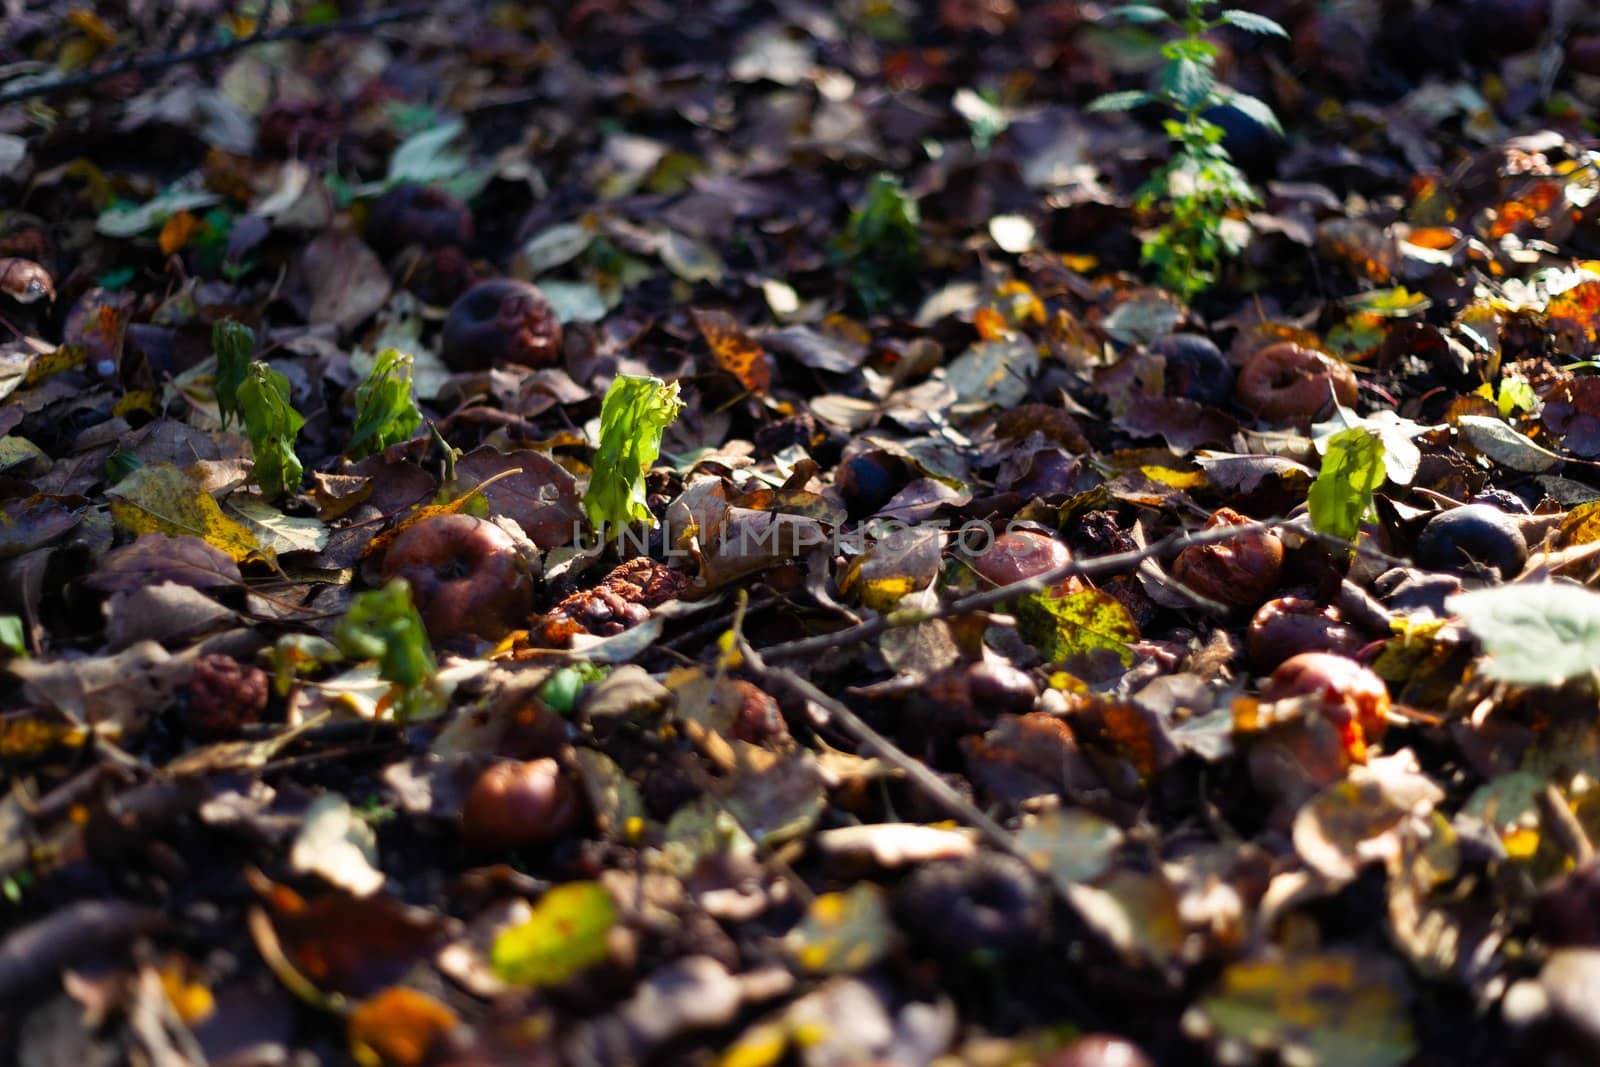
(1286, 381)
(1018, 555)
(1473, 539)
(501, 321)
(516, 804)
(1240, 572)
(1287, 626)
(466, 575)
(1352, 697)
(620, 601)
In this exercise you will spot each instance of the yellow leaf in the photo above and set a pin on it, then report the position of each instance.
(760, 1046)
(843, 933)
(160, 498)
(1175, 479)
(1061, 627)
(565, 934)
(192, 1001)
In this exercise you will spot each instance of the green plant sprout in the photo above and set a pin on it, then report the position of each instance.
(1199, 187)
(882, 242)
(636, 411)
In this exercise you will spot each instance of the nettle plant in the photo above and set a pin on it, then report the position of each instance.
(1199, 187)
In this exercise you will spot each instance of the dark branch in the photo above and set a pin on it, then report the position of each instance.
(210, 51)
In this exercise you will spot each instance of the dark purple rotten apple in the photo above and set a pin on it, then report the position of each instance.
(501, 321)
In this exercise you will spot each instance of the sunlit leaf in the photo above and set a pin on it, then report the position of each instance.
(733, 350)
(383, 625)
(160, 498)
(843, 933)
(1351, 473)
(1061, 627)
(272, 424)
(1536, 633)
(397, 1028)
(386, 407)
(1335, 1009)
(566, 934)
(635, 413)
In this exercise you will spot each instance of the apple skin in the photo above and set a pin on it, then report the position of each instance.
(466, 576)
(1288, 381)
(1241, 572)
(518, 804)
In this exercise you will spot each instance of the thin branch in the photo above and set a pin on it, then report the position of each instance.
(992, 598)
(784, 680)
(211, 51)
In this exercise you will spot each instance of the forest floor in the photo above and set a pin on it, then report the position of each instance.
(1058, 619)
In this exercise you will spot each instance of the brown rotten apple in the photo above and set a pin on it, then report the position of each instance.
(466, 576)
(1286, 381)
(516, 804)
(501, 321)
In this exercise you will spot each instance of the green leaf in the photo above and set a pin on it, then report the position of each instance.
(426, 157)
(1189, 83)
(1250, 22)
(272, 424)
(1124, 101)
(129, 220)
(1061, 627)
(383, 625)
(635, 413)
(565, 934)
(1254, 109)
(1140, 14)
(233, 344)
(386, 406)
(561, 690)
(12, 637)
(1537, 633)
(1515, 395)
(883, 241)
(1351, 473)
(1401, 456)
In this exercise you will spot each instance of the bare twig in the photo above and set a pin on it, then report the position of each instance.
(1558, 820)
(959, 807)
(990, 598)
(212, 51)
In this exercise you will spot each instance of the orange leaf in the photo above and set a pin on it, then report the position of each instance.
(177, 230)
(734, 351)
(991, 325)
(397, 1027)
(1575, 316)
